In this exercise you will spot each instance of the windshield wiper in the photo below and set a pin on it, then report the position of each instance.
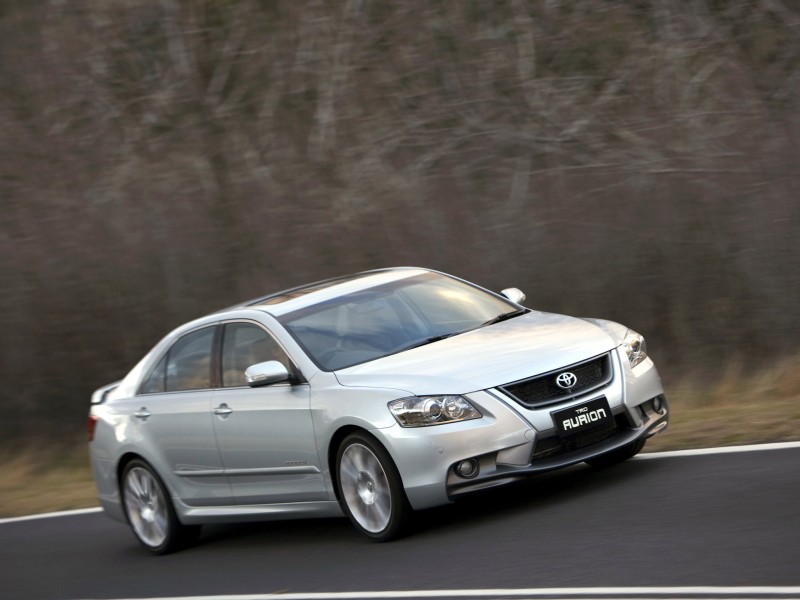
(429, 340)
(442, 336)
(506, 316)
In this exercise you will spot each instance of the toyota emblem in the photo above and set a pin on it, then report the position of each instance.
(566, 380)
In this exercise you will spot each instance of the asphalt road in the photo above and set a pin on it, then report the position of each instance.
(716, 520)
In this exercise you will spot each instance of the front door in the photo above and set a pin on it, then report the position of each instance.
(265, 434)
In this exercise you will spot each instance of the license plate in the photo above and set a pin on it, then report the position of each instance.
(589, 416)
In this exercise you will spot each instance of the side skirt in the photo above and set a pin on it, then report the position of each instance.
(193, 515)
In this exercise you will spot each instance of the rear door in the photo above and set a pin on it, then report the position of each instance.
(171, 420)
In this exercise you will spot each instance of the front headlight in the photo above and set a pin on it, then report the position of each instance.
(635, 347)
(421, 411)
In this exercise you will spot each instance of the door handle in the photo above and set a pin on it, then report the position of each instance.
(142, 414)
(223, 410)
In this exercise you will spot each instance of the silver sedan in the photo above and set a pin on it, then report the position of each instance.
(371, 395)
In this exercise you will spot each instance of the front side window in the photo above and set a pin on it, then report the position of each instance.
(244, 345)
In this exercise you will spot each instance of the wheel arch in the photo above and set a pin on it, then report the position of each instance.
(129, 457)
(124, 461)
(393, 494)
(336, 441)
(178, 534)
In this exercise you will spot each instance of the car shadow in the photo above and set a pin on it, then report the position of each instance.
(473, 511)
(531, 494)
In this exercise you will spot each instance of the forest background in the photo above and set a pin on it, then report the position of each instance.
(633, 160)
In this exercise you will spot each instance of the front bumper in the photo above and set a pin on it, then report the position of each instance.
(549, 453)
(512, 442)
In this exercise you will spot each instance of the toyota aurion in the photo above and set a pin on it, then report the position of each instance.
(372, 396)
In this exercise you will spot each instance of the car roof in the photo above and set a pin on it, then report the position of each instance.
(286, 301)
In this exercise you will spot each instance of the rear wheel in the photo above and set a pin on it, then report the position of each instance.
(618, 455)
(370, 489)
(150, 513)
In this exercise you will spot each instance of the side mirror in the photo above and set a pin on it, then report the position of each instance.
(515, 295)
(266, 373)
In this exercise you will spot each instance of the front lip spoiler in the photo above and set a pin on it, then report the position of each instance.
(505, 474)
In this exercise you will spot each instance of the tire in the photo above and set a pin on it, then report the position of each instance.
(618, 455)
(150, 512)
(370, 489)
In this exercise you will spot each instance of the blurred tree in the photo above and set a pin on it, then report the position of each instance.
(158, 160)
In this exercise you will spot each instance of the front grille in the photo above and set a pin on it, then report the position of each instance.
(542, 390)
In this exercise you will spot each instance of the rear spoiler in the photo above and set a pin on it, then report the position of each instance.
(99, 396)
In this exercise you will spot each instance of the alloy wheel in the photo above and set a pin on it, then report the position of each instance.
(365, 488)
(146, 507)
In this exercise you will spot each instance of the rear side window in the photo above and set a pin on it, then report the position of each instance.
(156, 383)
(187, 365)
(189, 362)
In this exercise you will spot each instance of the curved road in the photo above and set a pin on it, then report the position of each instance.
(729, 519)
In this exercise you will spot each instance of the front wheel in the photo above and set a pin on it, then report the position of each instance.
(370, 489)
(150, 512)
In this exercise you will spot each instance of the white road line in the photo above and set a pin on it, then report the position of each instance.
(721, 450)
(630, 593)
(65, 513)
(646, 455)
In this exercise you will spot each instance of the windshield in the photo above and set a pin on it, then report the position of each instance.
(391, 318)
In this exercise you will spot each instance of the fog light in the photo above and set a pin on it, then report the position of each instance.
(658, 404)
(467, 468)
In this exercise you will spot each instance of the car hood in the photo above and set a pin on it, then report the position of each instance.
(521, 347)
